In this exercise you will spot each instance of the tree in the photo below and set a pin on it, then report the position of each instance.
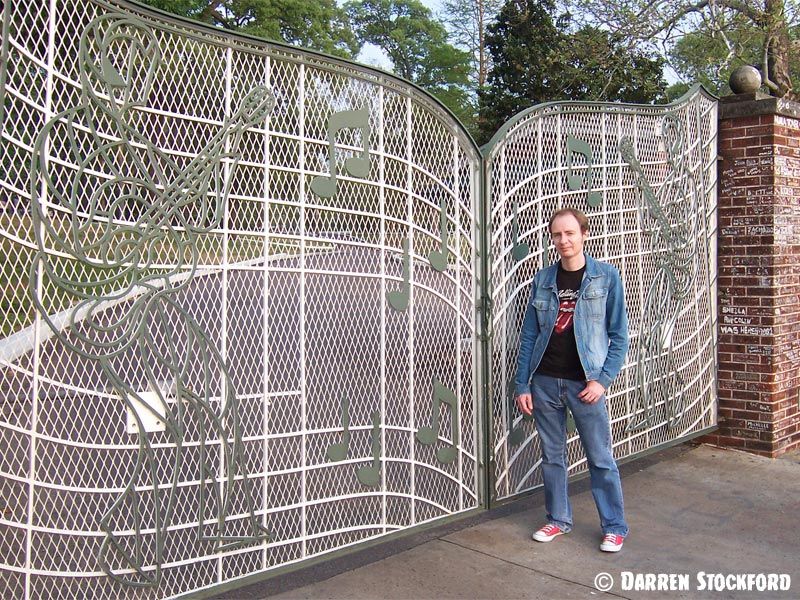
(705, 56)
(536, 58)
(467, 21)
(319, 25)
(418, 48)
(598, 66)
(648, 22)
(522, 40)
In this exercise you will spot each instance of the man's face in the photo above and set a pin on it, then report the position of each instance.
(567, 236)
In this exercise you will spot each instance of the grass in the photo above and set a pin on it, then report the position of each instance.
(16, 301)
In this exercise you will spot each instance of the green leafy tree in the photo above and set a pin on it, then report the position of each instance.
(186, 8)
(705, 56)
(537, 58)
(663, 23)
(523, 43)
(418, 49)
(598, 66)
(320, 25)
(467, 22)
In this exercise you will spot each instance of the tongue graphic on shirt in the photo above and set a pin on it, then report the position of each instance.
(566, 309)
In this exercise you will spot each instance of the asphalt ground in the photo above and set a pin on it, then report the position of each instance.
(698, 514)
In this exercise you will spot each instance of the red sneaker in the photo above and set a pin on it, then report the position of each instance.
(547, 533)
(612, 542)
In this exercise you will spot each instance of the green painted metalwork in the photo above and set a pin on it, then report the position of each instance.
(357, 166)
(576, 181)
(520, 250)
(338, 451)
(398, 299)
(429, 435)
(671, 217)
(370, 475)
(195, 249)
(517, 434)
(572, 107)
(438, 258)
(170, 206)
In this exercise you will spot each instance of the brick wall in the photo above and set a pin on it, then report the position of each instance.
(759, 275)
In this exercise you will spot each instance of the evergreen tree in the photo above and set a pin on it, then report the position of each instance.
(537, 58)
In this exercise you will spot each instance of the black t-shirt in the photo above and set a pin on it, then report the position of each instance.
(561, 357)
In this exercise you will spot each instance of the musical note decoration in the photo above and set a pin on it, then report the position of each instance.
(429, 435)
(337, 452)
(438, 258)
(576, 181)
(546, 239)
(371, 474)
(398, 299)
(324, 186)
(519, 251)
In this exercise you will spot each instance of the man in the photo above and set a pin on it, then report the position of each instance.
(572, 346)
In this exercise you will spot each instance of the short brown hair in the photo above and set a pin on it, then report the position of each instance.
(579, 217)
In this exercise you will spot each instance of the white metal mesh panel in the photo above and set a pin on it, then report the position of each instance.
(164, 241)
(646, 177)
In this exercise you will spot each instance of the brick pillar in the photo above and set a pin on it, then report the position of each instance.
(759, 275)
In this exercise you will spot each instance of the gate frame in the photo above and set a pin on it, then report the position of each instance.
(486, 152)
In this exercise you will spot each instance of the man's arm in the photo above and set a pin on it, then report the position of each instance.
(617, 328)
(527, 340)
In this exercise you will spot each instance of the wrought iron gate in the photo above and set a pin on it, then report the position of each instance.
(646, 178)
(244, 286)
(241, 329)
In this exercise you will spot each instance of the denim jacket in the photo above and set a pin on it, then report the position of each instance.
(600, 324)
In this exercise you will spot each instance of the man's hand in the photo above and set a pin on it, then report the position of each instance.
(525, 403)
(591, 393)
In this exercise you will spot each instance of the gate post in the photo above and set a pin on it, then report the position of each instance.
(758, 274)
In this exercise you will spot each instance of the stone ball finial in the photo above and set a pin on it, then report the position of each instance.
(745, 80)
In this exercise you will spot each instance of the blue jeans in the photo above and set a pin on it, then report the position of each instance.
(550, 397)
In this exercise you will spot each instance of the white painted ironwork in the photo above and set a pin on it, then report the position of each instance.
(205, 313)
(646, 178)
